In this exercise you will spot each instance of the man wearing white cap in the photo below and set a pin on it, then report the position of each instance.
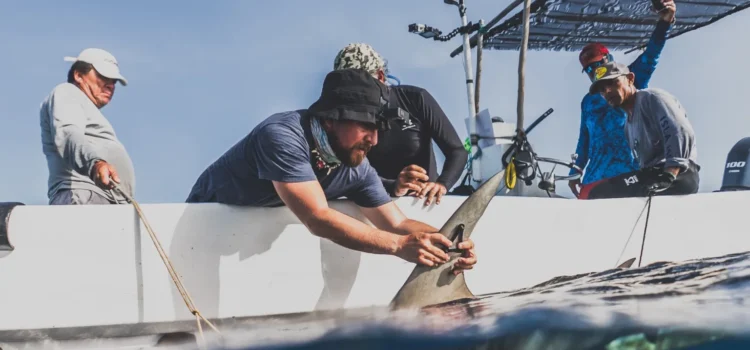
(80, 145)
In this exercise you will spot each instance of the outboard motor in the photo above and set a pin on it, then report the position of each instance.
(736, 175)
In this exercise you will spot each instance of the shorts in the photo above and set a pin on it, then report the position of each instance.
(78, 196)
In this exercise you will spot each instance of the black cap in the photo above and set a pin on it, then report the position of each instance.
(351, 94)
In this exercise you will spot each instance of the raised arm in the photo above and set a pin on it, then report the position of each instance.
(645, 65)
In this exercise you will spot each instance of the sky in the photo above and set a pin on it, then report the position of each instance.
(203, 74)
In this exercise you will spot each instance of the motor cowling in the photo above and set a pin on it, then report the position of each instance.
(736, 175)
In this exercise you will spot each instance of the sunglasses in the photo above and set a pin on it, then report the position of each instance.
(594, 65)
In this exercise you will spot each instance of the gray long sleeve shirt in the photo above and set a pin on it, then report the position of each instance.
(75, 135)
(659, 131)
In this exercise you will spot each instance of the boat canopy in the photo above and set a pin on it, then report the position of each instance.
(622, 25)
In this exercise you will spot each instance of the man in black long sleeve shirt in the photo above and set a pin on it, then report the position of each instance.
(404, 157)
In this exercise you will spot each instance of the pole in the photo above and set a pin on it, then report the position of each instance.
(522, 65)
(470, 93)
(479, 65)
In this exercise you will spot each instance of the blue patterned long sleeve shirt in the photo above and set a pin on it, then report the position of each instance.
(602, 146)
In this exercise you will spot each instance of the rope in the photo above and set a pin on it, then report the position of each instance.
(647, 205)
(178, 283)
(632, 231)
(645, 229)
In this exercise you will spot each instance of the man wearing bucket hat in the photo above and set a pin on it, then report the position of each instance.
(304, 158)
(658, 132)
(404, 159)
(82, 150)
(602, 148)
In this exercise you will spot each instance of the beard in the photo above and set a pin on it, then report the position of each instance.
(352, 156)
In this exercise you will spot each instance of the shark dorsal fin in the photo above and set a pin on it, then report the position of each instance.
(435, 285)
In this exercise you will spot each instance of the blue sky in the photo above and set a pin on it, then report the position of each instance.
(203, 74)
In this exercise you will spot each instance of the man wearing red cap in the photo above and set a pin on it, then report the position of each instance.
(602, 147)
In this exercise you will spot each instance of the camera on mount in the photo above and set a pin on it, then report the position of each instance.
(395, 115)
(424, 31)
(389, 115)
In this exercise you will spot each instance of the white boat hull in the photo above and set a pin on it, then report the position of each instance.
(79, 266)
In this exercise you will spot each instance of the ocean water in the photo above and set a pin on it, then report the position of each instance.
(695, 304)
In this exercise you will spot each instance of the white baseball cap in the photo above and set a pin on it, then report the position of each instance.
(103, 62)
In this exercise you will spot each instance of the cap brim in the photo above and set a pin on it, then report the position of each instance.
(111, 72)
(592, 87)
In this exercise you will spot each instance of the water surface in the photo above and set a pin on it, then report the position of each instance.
(695, 304)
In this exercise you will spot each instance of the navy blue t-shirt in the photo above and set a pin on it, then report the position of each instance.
(277, 150)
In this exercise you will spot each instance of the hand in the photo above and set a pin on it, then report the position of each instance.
(469, 259)
(433, 190)
(667, 14)
(673, 170)
(573, 184)
(420, 247)
(660, 179)
(409, 179)
(102, 172)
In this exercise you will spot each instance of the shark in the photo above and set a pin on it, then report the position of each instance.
(430, 285)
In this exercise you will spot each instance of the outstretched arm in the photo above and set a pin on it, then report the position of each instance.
(384, 214)
(308, 202)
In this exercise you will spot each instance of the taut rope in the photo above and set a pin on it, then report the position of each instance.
(178, 283)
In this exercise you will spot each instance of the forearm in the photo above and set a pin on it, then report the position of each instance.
(581, 150)
(581, 159)
(659, 36)
(455, 162)
(645, 65)
(351, 233)
(408, 226)
(676, 147)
